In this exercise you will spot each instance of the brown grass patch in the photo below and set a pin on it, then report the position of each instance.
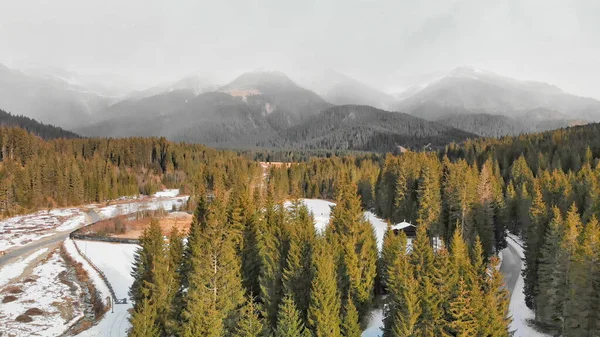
(34, 312)
(23, 318)
(13, 290)
(81, 327)
(132, 227)
(9, 298)
(29, 280)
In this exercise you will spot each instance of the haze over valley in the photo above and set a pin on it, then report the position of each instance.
(323, 168)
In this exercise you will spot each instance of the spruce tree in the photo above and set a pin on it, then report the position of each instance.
(143, 319)
(533, 242)
(289, 323)
(548, 304)
(250, 323)
(358, 247)
(324, 310)
(297, 275)
(350, 321)
(215, 290)
(582, 318)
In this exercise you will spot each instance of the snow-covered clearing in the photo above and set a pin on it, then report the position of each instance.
(15, 269)
(167, 193)
(23, 229)
(375, 324)
(520, 313)
(58, 300)
(321, 210)
(115, 260)
(152, 204)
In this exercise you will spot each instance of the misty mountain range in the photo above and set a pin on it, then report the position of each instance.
(268, 109)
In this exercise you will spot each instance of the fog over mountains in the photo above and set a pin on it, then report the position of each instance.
(270, 109)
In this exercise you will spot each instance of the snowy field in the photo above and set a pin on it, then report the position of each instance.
(521, 314)
(164, 202)
(15, 269)
(115, 260)
(58, 302)
(23, 229)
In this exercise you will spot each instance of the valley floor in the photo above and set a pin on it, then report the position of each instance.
(39, 291)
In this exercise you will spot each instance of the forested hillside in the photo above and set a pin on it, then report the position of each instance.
(35, 173)
(364, 128)
(43, 130)
(543, 187)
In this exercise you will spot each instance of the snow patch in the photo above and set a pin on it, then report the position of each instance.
(115, 260)
(520, 313)
(167, 193)
(47, 293)
(15, 269)
(375, 324)
(23, 229)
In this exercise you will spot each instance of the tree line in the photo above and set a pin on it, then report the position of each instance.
(35, 173)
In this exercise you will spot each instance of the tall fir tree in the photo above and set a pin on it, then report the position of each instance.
(289, 323)
(324, 310)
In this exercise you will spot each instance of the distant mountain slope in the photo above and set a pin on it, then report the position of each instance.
(282, 102)
(472, 91)
(196, 84)
(355, 127)
(253, 107)
(484, 125)
(49, 100)
(148, 107)
(341, 89)
(43, 130)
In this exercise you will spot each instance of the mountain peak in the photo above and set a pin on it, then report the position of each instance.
(261, 78)
(469, 72)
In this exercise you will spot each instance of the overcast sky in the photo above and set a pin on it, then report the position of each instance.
(387, 44)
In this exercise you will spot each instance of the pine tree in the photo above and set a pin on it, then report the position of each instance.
(392, 243)
(173, 300)
(215, 289)
(289, 323)
(548, 304)
(463, 322)
(297, 275)
(143, 272)
(250, 324)
(324, 310)
(407, 310)
(496, 320)
(143, 319)
(429, 200)
(533, 241)
(272, 262)
(484, 211)
(583, 318)
(358, 246)
(350, 322)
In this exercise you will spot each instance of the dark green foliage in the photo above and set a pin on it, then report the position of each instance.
(45, 131)
(364, 128)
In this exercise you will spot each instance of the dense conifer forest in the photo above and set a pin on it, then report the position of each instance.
(542, 187)
(35, 173)
(252, 266)
(43, 130)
